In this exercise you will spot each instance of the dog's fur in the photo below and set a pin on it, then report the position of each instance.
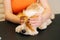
(31, 12)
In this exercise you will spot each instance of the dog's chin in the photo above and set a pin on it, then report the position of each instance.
(31, 33)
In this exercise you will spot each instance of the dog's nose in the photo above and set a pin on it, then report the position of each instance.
(23, 31)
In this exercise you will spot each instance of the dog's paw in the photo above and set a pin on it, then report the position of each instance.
(42, 27)
(53, 16)
(45, 24)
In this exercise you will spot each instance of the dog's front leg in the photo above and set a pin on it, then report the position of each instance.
(45, 24)
(52, 16)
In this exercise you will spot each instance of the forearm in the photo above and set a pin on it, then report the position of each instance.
(47, 10)
(8, 12)
(46, 14)
(7, 6)
(12, 18)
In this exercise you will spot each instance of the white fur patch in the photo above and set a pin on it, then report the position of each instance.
(32, 12)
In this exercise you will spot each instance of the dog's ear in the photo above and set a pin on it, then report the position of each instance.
(29, 26)
(22, 17)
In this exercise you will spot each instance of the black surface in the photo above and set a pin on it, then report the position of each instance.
(7, 32)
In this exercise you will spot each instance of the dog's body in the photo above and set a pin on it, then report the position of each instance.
(31, 11)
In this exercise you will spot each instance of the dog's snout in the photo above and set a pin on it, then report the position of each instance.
(23, 31)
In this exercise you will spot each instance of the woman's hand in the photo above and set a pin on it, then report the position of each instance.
(47, 12)
(41, 18)
(35, 22)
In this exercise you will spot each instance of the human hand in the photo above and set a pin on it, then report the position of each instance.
(36, 21)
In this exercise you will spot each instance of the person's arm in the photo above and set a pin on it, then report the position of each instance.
(47, 12)
(8, 12)
(45, 15)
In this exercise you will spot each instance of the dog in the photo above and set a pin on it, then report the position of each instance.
(30, 12)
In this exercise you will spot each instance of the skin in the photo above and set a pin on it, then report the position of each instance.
(13, 18)
(45, 15)
(9, 14)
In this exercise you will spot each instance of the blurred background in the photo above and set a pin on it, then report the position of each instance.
(55, 6)
(1, 11)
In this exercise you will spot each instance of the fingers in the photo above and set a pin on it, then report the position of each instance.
(35, 24)
(35, 21)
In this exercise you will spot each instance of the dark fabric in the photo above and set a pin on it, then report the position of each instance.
(7, 31)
